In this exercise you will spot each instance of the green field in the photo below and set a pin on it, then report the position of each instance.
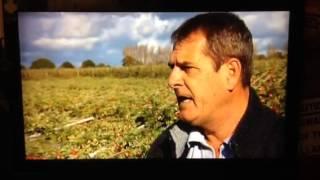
(128, 108)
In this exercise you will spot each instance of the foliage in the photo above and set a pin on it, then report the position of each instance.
(67, 64)
(88, 63)
(114, 103)
(129, 61)
(148, 54)
(269, 79)
(139, 71)
(103, 65)
(42, 63)
(260, 57)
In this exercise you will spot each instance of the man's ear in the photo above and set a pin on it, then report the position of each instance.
(232, 72)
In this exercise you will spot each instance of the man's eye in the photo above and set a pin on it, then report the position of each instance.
(186, 68)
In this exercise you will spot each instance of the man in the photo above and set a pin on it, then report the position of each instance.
(220, 115)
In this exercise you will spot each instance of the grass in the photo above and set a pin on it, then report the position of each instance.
(114, 103)
(152, 71)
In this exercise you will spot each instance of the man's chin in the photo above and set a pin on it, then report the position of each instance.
(186, 117)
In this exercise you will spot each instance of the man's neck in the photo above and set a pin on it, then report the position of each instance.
(229, 119)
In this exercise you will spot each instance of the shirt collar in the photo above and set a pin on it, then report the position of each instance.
(198, 137)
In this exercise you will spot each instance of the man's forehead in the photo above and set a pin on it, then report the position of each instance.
(195, 38)
(194, 42)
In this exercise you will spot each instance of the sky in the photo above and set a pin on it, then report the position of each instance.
(75, 37)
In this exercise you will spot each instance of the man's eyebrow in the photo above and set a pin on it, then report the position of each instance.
(180, 63)
(185, 63)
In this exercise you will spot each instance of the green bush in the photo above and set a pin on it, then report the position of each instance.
(88, 63)
(130, 61)
(67, 64)
(42, 63)
(103, 65)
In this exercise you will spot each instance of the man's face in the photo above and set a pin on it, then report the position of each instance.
(200, 90)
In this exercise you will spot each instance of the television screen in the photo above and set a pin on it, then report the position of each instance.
(95, 84)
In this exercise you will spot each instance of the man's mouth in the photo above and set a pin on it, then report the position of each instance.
(183, 99)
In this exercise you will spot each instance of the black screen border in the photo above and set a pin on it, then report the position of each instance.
(13, 93)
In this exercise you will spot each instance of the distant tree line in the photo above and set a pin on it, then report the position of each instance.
(142, 55)
(138, 55)
(44, 63)
(272, 52)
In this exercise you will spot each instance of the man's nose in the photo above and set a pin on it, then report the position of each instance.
(175, 78)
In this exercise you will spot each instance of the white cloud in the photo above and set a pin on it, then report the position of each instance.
(280, 22)
(267, 28)
(84, 30)
(138, 26)
(121, 27)
(149, 24)
(250, 20)
(74, 25)
(27, 53)
(66, 43)
(47, 23)
(263, 43)
(154, 44)
(266, 22)
(112, 51)
(68, 31)
(145, 28)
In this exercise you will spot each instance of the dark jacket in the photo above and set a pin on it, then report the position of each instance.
(259, 134)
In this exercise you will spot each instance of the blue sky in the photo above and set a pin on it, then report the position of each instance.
(75, 37)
